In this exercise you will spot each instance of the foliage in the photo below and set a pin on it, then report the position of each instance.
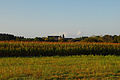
(105, 38)
(93, 39)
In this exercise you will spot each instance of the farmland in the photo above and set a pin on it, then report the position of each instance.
(59, 61)
(30, 49)
(60, 68)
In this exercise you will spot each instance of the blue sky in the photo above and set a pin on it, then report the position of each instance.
(74, 18)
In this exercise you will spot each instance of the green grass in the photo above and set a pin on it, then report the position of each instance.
(60, 68)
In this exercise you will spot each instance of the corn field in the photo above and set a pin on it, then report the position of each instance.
(23, 49)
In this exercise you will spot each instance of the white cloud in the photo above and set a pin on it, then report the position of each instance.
(79, 33)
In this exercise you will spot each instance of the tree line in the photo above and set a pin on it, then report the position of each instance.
(105, 38)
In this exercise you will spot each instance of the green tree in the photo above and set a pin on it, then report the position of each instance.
(108, 38)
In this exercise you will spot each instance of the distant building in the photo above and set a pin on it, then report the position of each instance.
(63, 36)
(56, 38)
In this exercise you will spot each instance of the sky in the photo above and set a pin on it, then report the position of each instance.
(74, 18)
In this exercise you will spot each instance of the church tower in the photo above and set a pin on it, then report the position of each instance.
(63, 36)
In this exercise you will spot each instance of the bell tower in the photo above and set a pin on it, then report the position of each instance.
(63, 36)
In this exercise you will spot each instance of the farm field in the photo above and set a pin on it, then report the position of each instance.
(60, 68)
(59, 40)
(30, 49)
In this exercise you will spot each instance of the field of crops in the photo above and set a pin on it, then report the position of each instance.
(61, 68)
(21, 49)
(70, 61)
